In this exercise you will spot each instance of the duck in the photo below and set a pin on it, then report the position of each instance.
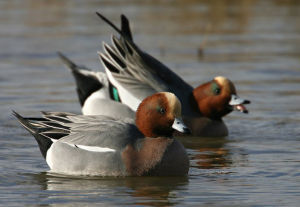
(132, 74)
(95, 93)
(105, 146)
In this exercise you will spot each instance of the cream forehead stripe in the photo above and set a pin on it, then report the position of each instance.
(173, 103)
(222, 80)
(226, 83)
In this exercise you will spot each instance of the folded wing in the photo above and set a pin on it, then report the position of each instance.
(137, 72)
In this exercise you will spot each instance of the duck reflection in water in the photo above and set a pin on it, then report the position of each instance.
(207, 153)
(150, 191)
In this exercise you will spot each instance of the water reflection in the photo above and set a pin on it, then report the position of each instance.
(151, 191)
(254, 43)
(208, 153)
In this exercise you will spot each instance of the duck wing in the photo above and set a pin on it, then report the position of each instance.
(82, 131)
(136, 73)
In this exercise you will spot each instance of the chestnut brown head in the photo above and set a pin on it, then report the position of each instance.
(217, 98)
(158, 115)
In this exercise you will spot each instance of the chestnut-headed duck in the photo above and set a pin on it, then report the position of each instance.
(131, 75)
(105, 146)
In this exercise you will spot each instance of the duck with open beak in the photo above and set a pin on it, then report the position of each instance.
(238, 103)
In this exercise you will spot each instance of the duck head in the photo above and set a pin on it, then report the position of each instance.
(217, 98)
(159, 115)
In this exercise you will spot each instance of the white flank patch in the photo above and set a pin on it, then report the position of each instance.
(49, 156)
(53, 140)
(90, 104)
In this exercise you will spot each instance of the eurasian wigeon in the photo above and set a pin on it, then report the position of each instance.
(131, 75)
(105, 146)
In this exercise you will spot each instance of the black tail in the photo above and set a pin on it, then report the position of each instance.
(125, 27)
(43, 141)
(86, 80)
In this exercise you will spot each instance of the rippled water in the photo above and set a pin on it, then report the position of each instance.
(254, 43)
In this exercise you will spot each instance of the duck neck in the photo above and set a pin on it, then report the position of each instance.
(197, 105)
(194, 104)
(148, 130)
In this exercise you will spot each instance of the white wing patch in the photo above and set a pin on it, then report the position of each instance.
(93, 148)
(90, 105)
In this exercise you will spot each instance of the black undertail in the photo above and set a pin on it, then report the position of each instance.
(43, 130)
(86, 83)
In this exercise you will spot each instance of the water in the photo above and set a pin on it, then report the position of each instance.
(254, 43)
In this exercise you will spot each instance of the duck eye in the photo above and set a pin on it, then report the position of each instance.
(217, 91)
(162, 110)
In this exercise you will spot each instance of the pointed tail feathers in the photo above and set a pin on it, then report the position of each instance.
(125, 27)
(87, 81)
(43, 141)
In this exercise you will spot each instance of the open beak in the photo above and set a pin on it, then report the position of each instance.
(238, 103)
(180, 126)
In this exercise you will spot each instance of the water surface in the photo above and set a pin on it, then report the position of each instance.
(254, 43)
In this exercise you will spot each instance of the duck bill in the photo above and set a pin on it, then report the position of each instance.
(238, 103)
(180, 126)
